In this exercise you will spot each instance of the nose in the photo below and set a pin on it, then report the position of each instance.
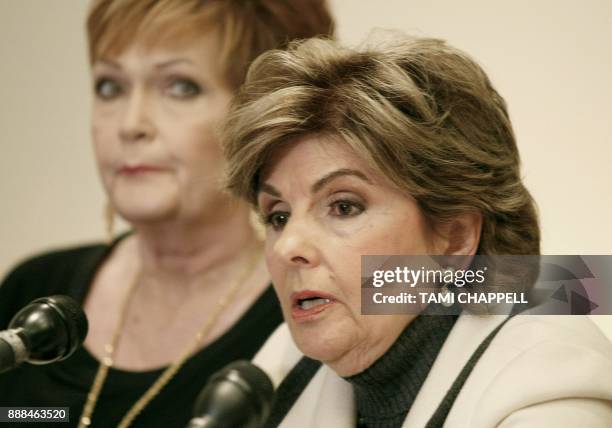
(136, 123)
(296, 246)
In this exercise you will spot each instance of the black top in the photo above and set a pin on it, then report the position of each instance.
(385, 391)
(65, 384)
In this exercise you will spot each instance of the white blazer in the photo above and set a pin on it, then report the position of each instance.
(540, 371)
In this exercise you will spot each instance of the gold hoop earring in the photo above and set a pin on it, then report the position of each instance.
(109, 219)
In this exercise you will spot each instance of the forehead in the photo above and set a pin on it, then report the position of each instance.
(305, 153)
(309, 158)
(204, 43)
(200, 52)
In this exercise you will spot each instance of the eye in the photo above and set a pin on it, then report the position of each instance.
(107, 89)
(183, 88)
(277, 219)
(344, 208)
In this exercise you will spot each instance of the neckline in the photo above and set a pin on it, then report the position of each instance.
(210, 348)
(86, 274)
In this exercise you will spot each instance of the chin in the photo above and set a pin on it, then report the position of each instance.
(143, 210)
(326, 345)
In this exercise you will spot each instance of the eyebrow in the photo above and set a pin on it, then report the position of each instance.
(160, 65)
(268, 188)
(109, 63)
(171, 62)
(321, 182)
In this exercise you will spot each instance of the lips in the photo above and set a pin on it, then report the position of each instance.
(132, 170)
(307, 305)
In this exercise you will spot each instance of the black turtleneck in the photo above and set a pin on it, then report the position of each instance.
(385, 391)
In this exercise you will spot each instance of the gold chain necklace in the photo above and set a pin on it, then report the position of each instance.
(170, 372)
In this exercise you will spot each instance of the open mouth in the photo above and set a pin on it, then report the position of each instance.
(307, 304)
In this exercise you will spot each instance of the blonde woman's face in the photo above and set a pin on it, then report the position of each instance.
(324, 208)
(156, 114)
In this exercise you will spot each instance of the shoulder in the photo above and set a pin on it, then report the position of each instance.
(44, 274)
(44, 265)
(538, 339)
(54, 259)
(536, 329)
(538, 366)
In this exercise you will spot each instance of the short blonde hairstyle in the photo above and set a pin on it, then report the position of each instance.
(418, 110)
(246, 28)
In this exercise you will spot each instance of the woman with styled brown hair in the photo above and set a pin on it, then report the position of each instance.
(187, 291)
(400, 149)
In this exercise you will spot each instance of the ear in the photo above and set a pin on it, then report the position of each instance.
(462, 235)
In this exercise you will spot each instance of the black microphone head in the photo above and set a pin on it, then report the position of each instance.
(239, 395)
(255, 380)
(53, 328)
(75, 318)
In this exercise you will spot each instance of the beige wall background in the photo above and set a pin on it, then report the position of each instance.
(550, 59)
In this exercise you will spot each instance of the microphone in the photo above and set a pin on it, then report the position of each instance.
(237, 396)
(47, 330)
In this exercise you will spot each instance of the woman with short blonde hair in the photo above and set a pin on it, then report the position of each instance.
(186, 292)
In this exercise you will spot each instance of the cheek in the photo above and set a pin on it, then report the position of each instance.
(275, 266)
(400, 230)
(105, 124)
(345, 253)
(413, 238)
(347, 274)
(107, 116)
(341, 261)
(198, 144)
(199, 126)
(102, 144)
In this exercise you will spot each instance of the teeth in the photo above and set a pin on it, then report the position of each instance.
(307, 304)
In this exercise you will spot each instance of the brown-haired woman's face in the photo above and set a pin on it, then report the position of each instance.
(155, 117)
(324, 208)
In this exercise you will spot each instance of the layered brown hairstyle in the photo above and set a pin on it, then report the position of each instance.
(246, 28)
(418, 110)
